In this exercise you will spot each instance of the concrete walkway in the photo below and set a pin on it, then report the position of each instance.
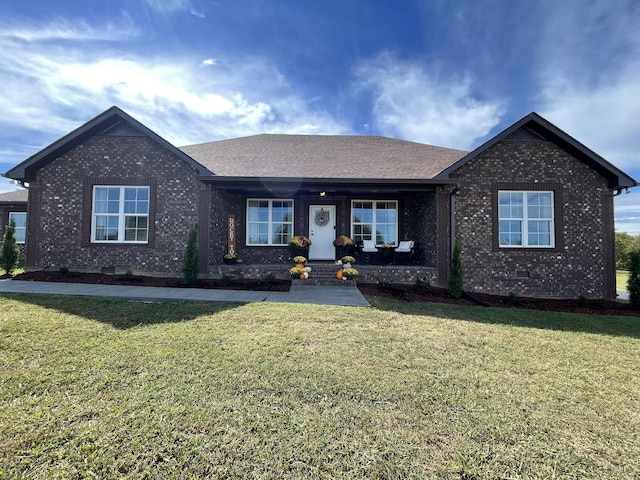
(622, 294)
(317, 294)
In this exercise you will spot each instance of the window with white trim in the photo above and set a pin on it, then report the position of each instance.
(120, 214)
(525, 219)
(20, 222)
(375, 217)
(269, 222)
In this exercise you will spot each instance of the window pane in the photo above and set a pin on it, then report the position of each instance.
(362, 212)
(281, 212)
(106, 228)
(259, 233)
(258, 211)
(510, 205)
(385, 234)
(20, 222)
(107, 200)
(281, 234)
(135, 229)
(386, 213)
(539, 233)
(136, 200)
(539, 198)
(510, 232)
(19, 219)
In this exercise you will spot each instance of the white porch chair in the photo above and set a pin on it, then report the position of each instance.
(369, 251)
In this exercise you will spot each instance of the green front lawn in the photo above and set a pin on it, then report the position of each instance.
(621, 279)
(110, 389)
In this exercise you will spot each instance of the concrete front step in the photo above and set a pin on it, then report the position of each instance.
(313, 282)
(324, 274)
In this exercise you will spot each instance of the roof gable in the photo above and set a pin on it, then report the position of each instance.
(533, 127)
(112, 122)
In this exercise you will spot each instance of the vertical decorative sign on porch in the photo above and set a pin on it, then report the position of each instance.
(231, 233)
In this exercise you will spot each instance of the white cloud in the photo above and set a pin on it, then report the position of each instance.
(7, 186)
(589, 77)
(171, 6)
(425, 105)
(627, 212)
(63, 29)
(53, 88)
(603, 116)
(209, 61)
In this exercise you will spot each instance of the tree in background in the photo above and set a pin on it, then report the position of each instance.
(625, 244)
(455, 273)
(191, 259)
(10, 251)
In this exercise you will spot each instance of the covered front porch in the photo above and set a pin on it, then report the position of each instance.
(261, 215)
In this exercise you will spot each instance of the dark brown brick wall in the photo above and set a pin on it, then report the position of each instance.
(419, 223)
(581, 263)
(62, 223)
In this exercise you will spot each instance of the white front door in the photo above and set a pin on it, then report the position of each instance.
(322, 232)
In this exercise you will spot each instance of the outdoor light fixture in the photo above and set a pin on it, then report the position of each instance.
(322, 194)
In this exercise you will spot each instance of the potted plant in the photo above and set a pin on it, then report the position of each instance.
(299, 245)
(347, 260)
(300, 260)
(229, 258)
(349, 274)
(297, 272)
(344, 246)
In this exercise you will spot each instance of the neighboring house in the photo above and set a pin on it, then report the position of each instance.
(13, 206)
(532, 208)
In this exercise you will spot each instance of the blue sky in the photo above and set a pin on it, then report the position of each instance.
(444, 72)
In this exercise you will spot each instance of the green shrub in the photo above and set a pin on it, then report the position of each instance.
(421, 285)
(633, 284)
(513, 298)
(10, 251)
(191, 259)
(226, 279)
(64, 270)
(455, 273)
(268, 279)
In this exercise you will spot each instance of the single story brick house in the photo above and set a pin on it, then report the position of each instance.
(532, 208)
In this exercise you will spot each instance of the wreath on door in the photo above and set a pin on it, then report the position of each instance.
(322, 218)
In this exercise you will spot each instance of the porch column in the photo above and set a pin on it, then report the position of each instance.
(443, 235)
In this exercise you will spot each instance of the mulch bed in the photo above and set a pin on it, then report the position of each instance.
(410, 293)
(407, 293)
(145, 281)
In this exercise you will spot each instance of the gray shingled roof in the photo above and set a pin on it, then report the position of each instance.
(17, 196)
(323, 156)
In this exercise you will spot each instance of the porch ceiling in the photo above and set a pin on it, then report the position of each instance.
(290, 186)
